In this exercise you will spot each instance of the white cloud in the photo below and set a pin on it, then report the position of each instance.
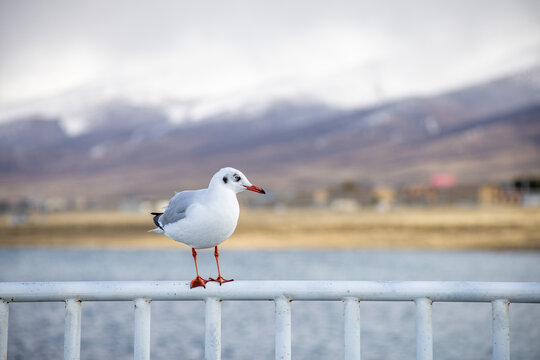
(346, 52)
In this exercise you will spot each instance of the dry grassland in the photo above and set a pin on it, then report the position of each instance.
(438, 228)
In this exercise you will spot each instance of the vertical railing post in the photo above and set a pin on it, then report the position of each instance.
(424, 329)
(72, 330)
(212, 338)
(501, 329)
(141, 338)
(351, 314)
(283, 328)
(4, 320)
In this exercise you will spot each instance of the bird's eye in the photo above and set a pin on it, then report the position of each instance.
(236, 178)
(225, 180)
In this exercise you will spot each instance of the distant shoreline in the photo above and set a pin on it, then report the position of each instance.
(135, 247)
(508, 228)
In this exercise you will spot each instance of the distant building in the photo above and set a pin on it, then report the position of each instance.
(531, 200)
(56, 204)
(321, 198)
(344, 205)
(383, 197)
(529, 187)
(442, 181)
(489, 194)
(417, 194)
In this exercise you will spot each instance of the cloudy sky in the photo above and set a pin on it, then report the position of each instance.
(346, 52)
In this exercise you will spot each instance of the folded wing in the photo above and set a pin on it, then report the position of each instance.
(177, 208)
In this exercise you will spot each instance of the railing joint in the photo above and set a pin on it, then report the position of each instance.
(423, 299)
(142, 301)
(283, 297)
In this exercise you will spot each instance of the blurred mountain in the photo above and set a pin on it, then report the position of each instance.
(30, 133)
(487, 132)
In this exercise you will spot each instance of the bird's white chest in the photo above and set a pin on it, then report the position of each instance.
(206, 224)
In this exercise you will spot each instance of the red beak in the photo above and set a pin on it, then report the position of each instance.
(255, 188)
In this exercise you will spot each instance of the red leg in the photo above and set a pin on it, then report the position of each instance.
(198, 281)
(220, 278)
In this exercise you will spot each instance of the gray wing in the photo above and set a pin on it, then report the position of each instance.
(176, 210)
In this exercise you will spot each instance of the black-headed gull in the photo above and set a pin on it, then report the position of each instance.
(205, 218)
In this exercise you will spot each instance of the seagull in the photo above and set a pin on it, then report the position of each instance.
(204, 218)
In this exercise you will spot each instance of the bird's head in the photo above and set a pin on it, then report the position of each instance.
(234, 180)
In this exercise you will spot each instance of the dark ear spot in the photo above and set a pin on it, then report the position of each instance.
(225, 180)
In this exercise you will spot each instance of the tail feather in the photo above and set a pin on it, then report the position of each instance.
(156, 220)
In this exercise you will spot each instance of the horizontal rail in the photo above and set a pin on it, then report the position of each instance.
(446, 291)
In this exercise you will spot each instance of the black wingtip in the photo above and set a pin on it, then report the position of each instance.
(156, 219)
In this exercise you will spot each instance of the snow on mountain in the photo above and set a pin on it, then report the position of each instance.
(75, 107)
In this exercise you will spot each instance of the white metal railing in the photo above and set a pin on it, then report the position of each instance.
(142, 293)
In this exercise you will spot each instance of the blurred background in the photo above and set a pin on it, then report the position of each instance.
(396, 141)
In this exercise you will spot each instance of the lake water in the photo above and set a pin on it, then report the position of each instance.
(461, 330)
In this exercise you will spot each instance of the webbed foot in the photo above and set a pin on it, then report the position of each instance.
(198, 281)
(220, 280)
